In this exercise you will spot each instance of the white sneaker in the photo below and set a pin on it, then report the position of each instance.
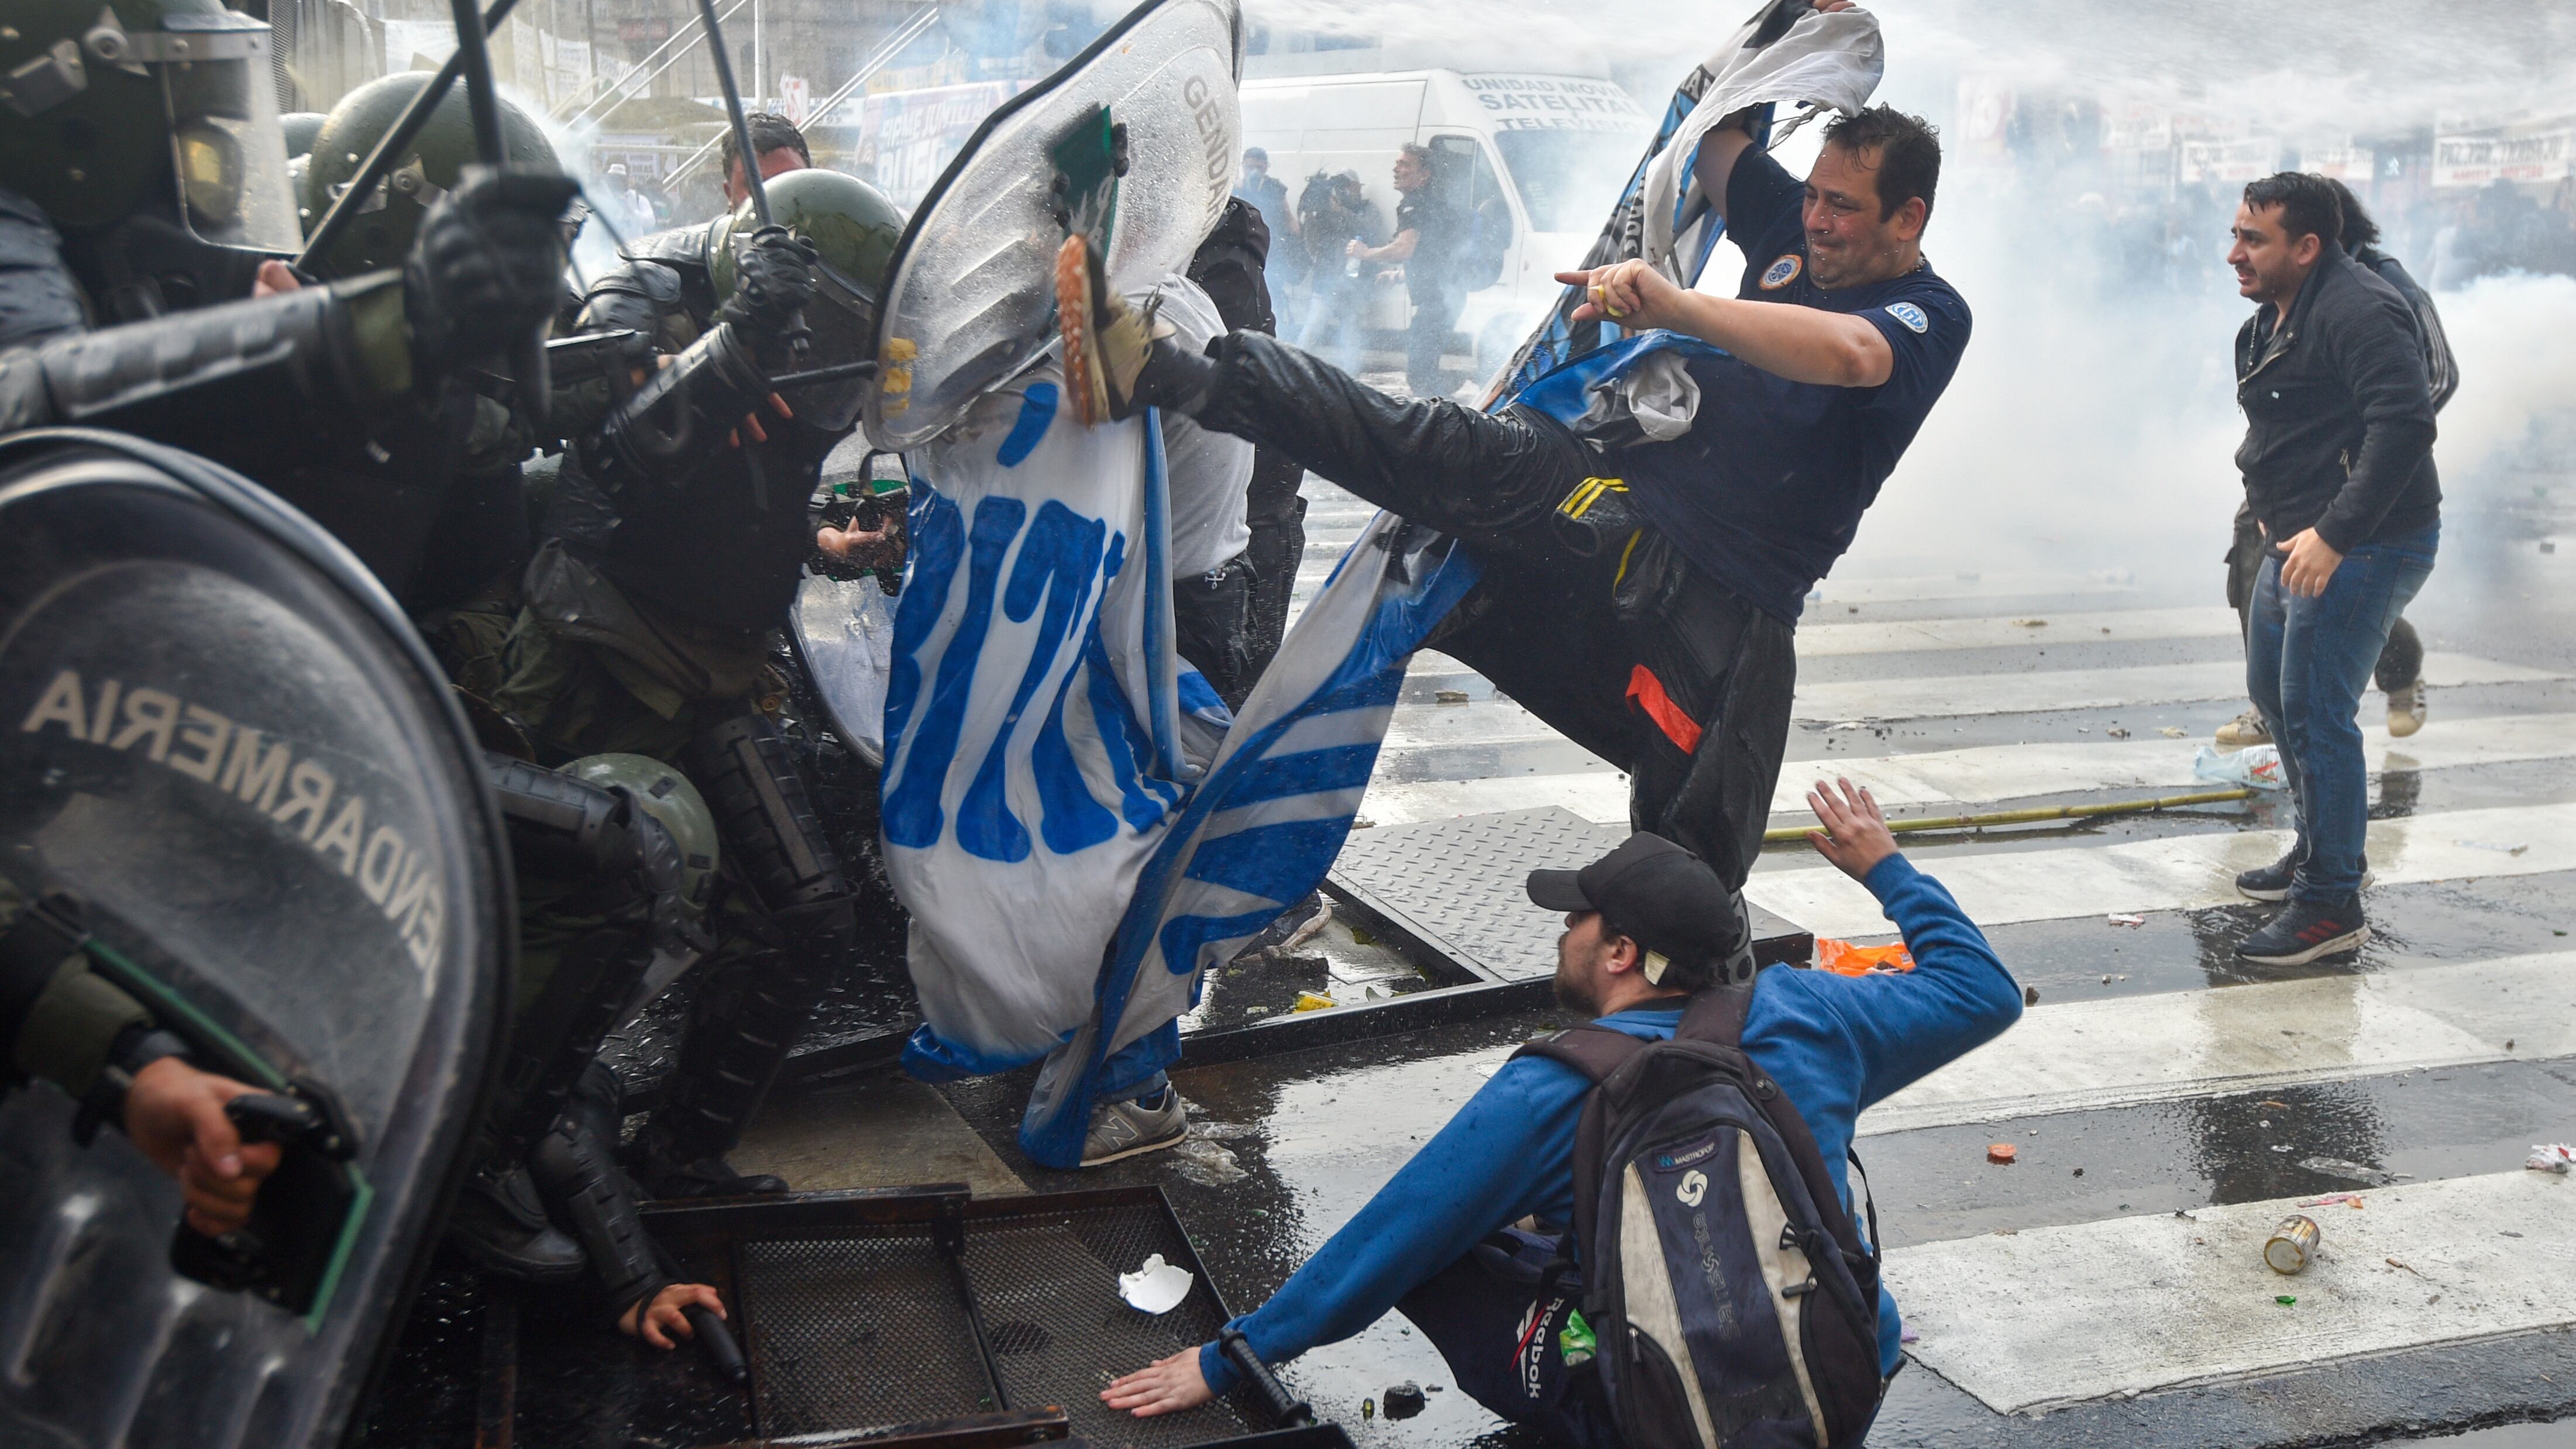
(2246, 729)
(1127, 1129)
(2406, 710)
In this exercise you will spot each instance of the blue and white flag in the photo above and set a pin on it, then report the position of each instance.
(1073, 826)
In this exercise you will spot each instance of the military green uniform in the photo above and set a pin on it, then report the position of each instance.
(60, 1018)
(651, 608)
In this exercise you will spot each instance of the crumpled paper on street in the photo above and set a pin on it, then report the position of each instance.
(2550, 1157)
(1155, 1287)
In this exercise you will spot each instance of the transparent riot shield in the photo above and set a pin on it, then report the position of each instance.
(970, 302)
(227, 756)
(845, 631)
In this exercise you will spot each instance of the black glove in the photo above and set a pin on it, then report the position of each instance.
(487, 269)
(773, 280)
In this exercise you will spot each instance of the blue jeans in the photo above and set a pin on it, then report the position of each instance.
(2307, 662)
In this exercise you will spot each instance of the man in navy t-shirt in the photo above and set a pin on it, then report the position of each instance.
(1639, 596)
(1794, 433)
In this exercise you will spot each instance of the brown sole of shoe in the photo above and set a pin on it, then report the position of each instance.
(1084, 383)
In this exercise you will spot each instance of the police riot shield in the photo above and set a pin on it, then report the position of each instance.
(230, 760)
(970, 301)
(844, 628)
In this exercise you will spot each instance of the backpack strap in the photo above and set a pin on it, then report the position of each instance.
(1717, 1015)
(1868, 1202)
(1596, 1052)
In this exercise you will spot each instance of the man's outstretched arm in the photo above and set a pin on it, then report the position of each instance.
(1801, 344)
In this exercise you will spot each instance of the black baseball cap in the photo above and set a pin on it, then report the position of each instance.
(1658, 894)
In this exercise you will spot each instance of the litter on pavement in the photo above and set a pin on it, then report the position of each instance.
(1155, 1287)
(1845, 959)
(2256, 765)
(2550, 1157)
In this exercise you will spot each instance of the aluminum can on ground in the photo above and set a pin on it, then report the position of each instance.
(2292, 1244)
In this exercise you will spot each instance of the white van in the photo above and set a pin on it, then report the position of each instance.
(1556, 150)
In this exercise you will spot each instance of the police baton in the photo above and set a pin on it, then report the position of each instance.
(1290, 1410)
(749, 159)
(475, 54)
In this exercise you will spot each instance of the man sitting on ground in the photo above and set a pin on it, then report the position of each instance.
(1836, 1044)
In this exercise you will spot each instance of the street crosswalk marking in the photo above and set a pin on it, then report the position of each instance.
(2086, 1055)
(2128, 687)
(2007, 772)
(2047, 1317)
(2125, 626)
(2179, 872)
(1937, 779)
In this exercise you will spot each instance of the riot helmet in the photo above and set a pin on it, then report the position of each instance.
(667, 796)
(300, 127)
(389, 220)
(854, 228)
(111, 109)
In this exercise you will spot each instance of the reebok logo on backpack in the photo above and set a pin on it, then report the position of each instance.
(1726, 1287)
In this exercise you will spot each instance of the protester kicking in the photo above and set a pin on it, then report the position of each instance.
(1665, 644)
(2338, 466)
(1438, 1244)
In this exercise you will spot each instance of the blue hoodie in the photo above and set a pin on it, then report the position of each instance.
(1836, 1044)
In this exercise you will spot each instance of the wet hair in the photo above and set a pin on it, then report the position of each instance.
(769, 132)
(1909, 153)
(2308, 204)
(2358, 229)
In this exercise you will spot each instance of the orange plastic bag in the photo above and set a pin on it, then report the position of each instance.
(1845, 959)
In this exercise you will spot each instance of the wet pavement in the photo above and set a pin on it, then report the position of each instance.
(1285, 1148)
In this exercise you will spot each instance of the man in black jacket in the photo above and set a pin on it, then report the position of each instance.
(2401, 663)
(2338, 469)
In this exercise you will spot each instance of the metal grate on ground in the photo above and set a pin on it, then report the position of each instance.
(856, 1310)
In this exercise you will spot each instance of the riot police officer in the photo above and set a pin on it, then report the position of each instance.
(677, 535)
(143, 186)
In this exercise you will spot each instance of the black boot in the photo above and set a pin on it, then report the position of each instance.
(662, 1172)
(500, 1224)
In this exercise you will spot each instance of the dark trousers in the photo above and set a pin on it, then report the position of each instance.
(1629, 652)
(2401, 660)
(1212, 627)
(1426, 340)
(1487, 1316)
(1276, 512)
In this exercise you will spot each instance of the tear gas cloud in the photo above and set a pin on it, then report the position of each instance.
(2092, 426)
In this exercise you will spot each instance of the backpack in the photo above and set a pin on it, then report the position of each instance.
(1730, 1298)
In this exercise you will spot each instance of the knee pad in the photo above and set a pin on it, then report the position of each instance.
(765, 814)
(626, 882)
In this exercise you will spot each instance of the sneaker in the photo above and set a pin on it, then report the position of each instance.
(1106, 342)
(2304, 932)
(2246, 729)
(500, 1224)
(2272, 882)
(2406, 710)
(1126, 1129)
